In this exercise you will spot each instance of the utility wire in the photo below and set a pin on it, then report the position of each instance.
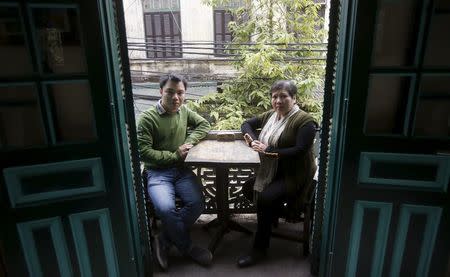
(186, 74)
(214, 78)
(130, 5)
(191, 85)
(178, 26)
(179, 52)
(228, 43)
(172, 51)
(220, 58)
(247, 43)
(134, 47)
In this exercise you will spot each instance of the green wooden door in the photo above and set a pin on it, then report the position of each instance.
(66, 198)
(390, 167)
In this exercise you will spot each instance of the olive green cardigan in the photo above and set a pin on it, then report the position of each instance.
(300, 170)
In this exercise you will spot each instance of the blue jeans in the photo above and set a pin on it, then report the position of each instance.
(163, 186)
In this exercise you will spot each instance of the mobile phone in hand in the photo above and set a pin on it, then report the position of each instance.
(248, 139)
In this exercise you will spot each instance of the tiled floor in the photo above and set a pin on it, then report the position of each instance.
(284, 257)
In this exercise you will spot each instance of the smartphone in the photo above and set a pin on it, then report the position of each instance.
(248, 139)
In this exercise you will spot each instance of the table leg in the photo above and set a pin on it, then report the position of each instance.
(238, 227)
(222, 193)
(213, 223)
(223, 218)
(217, 237)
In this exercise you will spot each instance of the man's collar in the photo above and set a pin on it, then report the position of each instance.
(160, 108)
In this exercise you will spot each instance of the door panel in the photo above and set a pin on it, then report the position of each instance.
(20, 117)
(14, 50)
(71, 106)
(44, 246)
(37, 184)
(419, 262)
(368, 216)
(63, 186)
(404, 171)
(396, 29)
(92, 234)
(393, 200)
(433, 105)
(57, 38)
(387, 117)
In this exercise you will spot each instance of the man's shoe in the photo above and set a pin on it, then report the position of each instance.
(253, 258)
(200, 255)
(161, 253)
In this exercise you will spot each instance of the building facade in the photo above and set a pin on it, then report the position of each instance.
(181, 35)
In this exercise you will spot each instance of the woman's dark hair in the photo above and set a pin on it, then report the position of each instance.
(286, 85)
(172, 77)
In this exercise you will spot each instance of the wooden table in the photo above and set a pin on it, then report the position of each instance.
(222, 155)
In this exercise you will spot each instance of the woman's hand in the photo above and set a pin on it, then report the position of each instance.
(258, 146)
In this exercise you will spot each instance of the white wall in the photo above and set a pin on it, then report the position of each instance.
(134, 24)
(207, 68)
(197, 25)
(327, 19)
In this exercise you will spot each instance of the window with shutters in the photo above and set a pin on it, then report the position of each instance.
(160, 5)
(223, 16)
(162, 28)
(222, 34)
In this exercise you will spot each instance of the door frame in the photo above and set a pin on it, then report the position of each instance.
(113, 26)
(345, 59)
(113, 44)
(339, 125)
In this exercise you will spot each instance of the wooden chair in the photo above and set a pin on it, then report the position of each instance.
(152, 218)
(151, 215)
(306, 216)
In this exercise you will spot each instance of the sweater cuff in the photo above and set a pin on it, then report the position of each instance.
(269, 152)
(177, 155)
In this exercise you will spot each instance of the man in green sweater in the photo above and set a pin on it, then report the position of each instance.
(163, 145)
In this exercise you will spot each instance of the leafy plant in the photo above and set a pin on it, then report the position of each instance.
(284, 36)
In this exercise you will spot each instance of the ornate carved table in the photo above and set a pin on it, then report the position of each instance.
(222, 155)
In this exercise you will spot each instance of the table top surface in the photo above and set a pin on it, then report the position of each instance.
(222, 152)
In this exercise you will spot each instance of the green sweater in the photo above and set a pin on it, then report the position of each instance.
(160, 135)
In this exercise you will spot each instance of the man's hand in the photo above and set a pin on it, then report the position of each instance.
(184, 149)
(258, 146)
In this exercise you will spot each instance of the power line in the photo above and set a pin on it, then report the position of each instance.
(223, 55)
(228, 43)
(214, 78)
(209, 78)
(135, 46)
(174, 51)
(180, 52)
(248, 43)
(157, 97)
(130, 5)
(178, 26)
(191, 85)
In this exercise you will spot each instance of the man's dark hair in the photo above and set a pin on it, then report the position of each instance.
(286, 85)
(172, 77)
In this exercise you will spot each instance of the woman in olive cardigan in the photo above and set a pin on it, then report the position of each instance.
(287, 161)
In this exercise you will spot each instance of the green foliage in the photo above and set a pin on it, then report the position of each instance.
(275, 28)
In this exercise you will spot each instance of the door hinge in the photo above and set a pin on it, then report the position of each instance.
(124, 105)
(330, 263)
